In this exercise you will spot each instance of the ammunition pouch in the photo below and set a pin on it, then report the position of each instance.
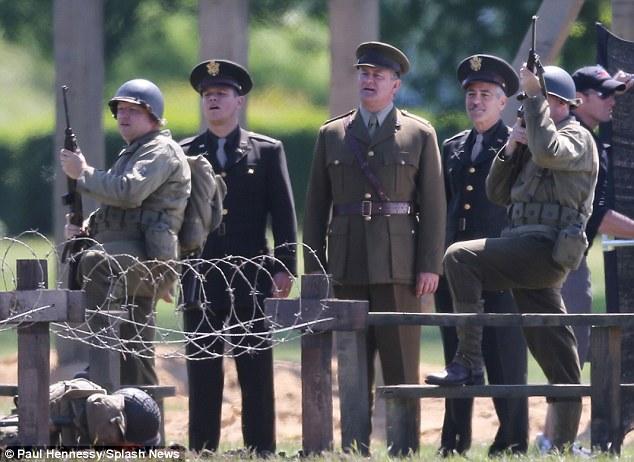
(570, 246)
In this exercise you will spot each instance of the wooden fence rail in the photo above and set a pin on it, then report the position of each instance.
(318, 315)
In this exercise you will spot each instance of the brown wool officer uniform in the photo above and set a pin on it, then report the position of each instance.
(374, 247)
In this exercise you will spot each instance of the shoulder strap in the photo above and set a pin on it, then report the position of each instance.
(355, 147)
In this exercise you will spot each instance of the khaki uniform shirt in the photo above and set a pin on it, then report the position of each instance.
(404, 155)
(561, 169)
(152, 174)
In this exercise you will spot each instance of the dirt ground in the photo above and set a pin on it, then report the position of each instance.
(288, 405)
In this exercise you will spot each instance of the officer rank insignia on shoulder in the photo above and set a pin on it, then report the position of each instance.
(260, 137)
(340, 116)
(415, 117)
(456, 136)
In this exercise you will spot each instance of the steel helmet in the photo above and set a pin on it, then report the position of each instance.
(560, 84)
(142, 417)
(139, 91)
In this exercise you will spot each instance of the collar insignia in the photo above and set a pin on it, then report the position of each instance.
(213, 68)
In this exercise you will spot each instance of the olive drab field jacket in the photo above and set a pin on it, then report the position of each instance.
(150, 174)
(382, 248)
(561, 169)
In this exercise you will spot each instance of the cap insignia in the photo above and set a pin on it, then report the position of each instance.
(213, 68)
(475, 63)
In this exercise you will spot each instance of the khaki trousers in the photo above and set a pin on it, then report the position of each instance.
(524, 264)
(115, 277)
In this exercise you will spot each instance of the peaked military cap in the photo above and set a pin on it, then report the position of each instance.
(379, 54)
(488, 68)
(220, 72)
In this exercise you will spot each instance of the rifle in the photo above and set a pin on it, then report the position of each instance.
(533, 64)
(72, 199)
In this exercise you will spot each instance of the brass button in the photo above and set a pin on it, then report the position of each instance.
(336, 161)
(471, 169)
(402, 162)
(368, 218)
(225, 211)
(250, 171)
(370, 153)
(467, 206)
(223, 174)
(367, 196)
(469, 187)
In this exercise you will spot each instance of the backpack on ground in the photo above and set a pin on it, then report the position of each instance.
(203, 213)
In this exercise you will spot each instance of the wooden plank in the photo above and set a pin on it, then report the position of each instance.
(606, 430)
(353, 390)
(490, 391)
(8, 390)
(317, 433)
(33, 363)
(402, 421)
(41, 306)
(500, 319)
(317, 315)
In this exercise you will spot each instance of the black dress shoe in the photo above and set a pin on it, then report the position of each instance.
(456, 374)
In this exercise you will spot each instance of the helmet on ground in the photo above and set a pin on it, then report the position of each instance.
(142, 416)
(139, 91)
(560, 84)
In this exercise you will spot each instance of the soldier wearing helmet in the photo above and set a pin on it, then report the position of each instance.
(545, 175)
(143, 198)
(82, 413)
(488, 82)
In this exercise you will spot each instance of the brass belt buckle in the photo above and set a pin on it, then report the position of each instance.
(366, 209)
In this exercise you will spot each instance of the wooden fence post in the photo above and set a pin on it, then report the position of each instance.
(317, 435)
(33, 362)
(606, 430)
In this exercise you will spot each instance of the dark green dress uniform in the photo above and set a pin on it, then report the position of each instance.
(471, 215)
(373, 255)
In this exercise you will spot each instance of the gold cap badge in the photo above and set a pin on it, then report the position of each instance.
(475, 63)
(213, 68)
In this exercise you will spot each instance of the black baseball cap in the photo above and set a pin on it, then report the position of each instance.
(488, 68)
(596, 78)
(220, 72)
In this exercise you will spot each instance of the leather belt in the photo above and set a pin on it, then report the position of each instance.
(369, 208)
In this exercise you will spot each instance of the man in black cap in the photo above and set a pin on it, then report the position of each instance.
(488, 82)
(597, 91)
(258, 189)
(375, 197)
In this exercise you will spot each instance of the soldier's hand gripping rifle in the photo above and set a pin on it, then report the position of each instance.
(534, 65)
(72, 199)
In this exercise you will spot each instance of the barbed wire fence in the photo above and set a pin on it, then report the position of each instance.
(130, 279)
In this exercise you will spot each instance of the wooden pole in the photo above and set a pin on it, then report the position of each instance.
(351, 22)
(317, 434)
(223, 26)
(33, 363)
(79, 63)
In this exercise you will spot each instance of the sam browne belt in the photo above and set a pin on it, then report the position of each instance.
(369, 208)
